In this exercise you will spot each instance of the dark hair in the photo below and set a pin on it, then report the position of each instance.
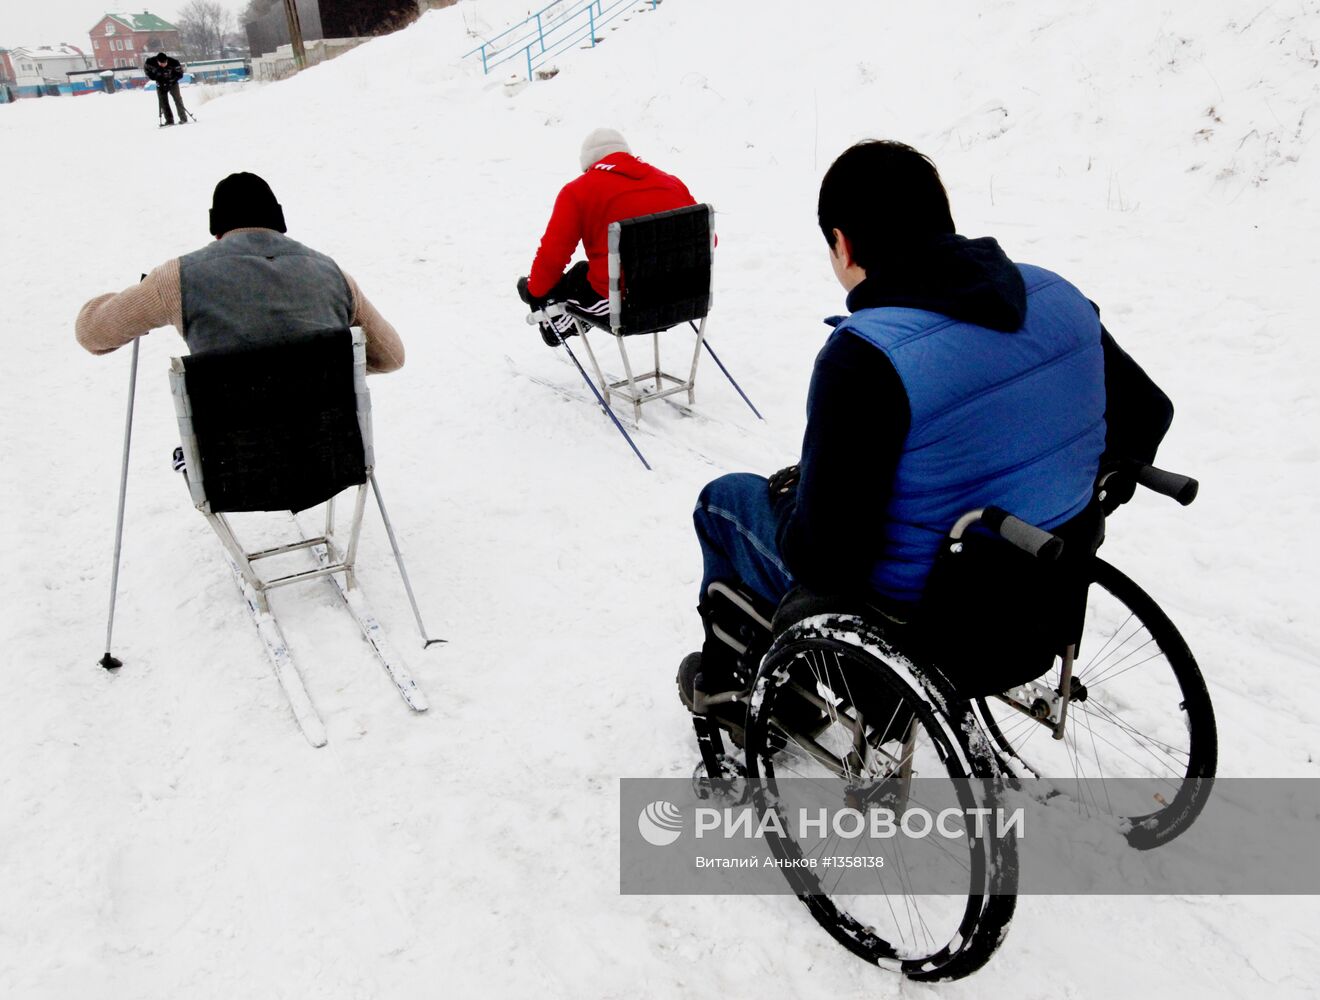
(881, 195)
(243, 200)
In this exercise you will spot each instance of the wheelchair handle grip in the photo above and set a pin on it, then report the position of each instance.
(1170, 484)
(1027, 537)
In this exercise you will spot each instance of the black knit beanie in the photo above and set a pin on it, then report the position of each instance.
(243, 200)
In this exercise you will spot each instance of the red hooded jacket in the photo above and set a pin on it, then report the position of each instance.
(617, 187)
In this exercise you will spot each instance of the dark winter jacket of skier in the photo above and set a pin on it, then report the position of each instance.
(917, 401)
(618, 186)
(171, 72)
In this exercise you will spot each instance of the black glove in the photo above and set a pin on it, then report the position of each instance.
(783, 483)
(534, 302)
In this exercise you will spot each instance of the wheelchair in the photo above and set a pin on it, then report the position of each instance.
(861, 705)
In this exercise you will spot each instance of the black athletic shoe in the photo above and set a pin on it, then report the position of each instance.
(714, 694)
(701, 677)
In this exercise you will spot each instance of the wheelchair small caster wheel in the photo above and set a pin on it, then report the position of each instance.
(729, 786)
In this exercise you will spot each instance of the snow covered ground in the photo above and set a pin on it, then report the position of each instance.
(166, 832)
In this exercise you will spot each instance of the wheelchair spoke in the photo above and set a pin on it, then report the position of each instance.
(1112, 673)
(1100, 655)
(1170, 780)
(1096, 755)
(1177, 770)
(1177, 756)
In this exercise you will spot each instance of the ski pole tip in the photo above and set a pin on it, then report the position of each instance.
(433, 642)
(110, 662)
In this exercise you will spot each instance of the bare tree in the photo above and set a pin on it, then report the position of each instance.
(203, 25)
(257, 8)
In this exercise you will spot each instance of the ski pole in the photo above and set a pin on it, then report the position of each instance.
(716, 358)
(108, 661)
(601, 400)
(398, 558)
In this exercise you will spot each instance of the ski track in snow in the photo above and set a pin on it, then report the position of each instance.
(168, 833)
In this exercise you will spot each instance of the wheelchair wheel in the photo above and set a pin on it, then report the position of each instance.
(939, 907)
(1139, 710)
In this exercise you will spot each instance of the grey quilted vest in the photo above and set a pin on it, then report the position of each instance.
(257, 287)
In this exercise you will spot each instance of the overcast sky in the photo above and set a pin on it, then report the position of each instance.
(48, 22)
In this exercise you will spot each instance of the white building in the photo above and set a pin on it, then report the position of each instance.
(39, 68)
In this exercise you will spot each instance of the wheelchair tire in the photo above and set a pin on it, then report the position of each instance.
(927, 936)
(1146, 714)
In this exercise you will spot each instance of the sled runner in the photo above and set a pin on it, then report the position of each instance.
(287, 427)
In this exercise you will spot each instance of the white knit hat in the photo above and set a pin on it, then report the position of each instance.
(599, 144)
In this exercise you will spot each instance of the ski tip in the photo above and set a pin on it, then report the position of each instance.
(110, 662)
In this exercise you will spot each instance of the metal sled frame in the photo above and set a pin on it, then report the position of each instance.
(340, 561)
(331, 559)
(633, 387)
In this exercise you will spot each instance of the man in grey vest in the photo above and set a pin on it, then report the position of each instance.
(253, 285)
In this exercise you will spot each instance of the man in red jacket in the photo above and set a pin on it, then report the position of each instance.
(614, 185)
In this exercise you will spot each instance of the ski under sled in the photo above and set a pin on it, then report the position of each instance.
(330, 563)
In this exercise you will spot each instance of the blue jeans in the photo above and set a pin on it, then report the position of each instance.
(736, 527)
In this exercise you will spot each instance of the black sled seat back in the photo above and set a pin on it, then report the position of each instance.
(280, 427)
(660, 270)
(660, 277)
(284, 426)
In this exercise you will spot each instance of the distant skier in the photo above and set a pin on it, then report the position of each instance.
(167, 73)
(252, 285)
(614, 185)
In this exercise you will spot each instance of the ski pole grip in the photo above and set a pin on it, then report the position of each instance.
(1027, 537)
(1170, 484)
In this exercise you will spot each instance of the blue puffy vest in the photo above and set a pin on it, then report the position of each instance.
(1010, 419)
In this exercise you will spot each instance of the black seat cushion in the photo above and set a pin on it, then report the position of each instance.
(276, 425)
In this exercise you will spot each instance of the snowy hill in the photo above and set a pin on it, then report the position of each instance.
(167, 833)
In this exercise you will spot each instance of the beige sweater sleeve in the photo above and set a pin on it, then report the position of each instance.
(384, 348)
(110, 321)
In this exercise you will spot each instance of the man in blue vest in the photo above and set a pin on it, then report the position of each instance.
(958, 380)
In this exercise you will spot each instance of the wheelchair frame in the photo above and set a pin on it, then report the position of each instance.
(1045, 705)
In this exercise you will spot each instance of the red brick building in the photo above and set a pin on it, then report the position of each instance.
(128, 39)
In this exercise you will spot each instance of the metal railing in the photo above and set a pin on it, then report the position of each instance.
(551, 30)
